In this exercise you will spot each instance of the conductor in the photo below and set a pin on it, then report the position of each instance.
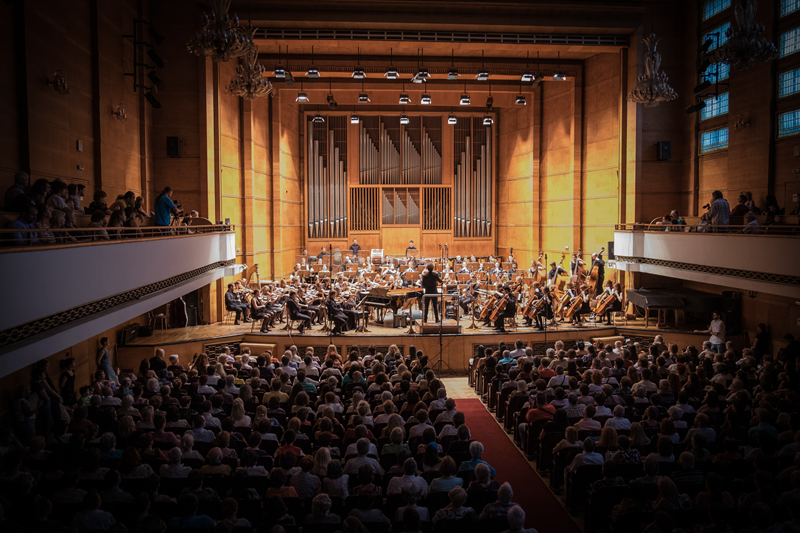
(430, 281)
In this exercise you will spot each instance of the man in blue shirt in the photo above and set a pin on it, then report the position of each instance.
(164, 208)
(25, 221)
(355, 248)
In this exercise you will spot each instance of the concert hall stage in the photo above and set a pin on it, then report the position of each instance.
(457, 348)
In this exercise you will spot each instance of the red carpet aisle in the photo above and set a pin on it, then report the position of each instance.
(542, 509)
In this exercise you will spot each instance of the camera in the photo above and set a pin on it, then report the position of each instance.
(706, 206)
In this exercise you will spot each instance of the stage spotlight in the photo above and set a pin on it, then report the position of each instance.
(559, 75)
(422, 75)
(158, 83)
(302, 98)
(464, 99)
(702, 87)
(289, 79)
(452, 119)
(152, 100)
(157, 37)
(696, 107)
(453, 74)
(155, 58)
(426, 99)
(331, 102)
(527, 77)
(404, 98)
(354, 119)
(489, 103)
(706, 45)
(703, 66)
(404, 119)
(391, 74)
(279, 72)
(318, 118)
(359, 74)
(312, 72)
(520, 100)
(488, 121)
(363, 98)
(483, 75)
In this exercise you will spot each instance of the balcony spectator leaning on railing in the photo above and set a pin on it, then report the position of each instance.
(719, 211)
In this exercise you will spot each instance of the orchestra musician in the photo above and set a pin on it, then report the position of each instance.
(585, 307)
(536, 293)
(463, 269)
(555, 270)
(600, 265)
(468, 295)
(296, 313)
(259, 311)
(510, 310)
(322, 254)
(234, 303)
(576, 263)
(546, 308)
(613, 290)
(335, 312)
(536, 266)
(410, 247)
(430, 281)
(355, 248)
(497, 271)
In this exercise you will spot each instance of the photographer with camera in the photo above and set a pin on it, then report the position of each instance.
(164, 209)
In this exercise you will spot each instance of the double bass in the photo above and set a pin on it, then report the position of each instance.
(593, 276)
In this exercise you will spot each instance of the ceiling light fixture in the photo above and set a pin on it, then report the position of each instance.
(221, 37)
(528, 76)
(483, 74)
(331, 102)
(363, 98)
(464, 96)
(404, 98)
(487, 120)
(426, 99)
(404, 120)
(249, 81)
(652, 85)
(312, 71)
(279, 71)
(520, 99)
(302, 97)
(422, 74)
(358, 72)
(318, 119)
(559, 75)
(354, 119)
(391, 72)
(489, 99)
(451, 119)
(452, 74)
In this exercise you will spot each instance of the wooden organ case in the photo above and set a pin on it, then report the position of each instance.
(387, 182)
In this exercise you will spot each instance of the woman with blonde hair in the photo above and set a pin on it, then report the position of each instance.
(321, 461)
(333, 355)
(219, 374)
(570, 440)
(637, 436)
(395, 421)
(240, 419)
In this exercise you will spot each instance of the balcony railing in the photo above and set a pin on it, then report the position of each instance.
(16, 240)
(766, 229)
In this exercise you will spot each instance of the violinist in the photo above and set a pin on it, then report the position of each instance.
(311, 310)
(497, 271)
(336, 313)
(545, 309)
(296, 313)
(463, 266)
(510, 310)
(259, 311)
(234, 303)
(430, 281)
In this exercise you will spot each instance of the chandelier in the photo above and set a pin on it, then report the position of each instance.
(221, 37)
(249, 81)
(652, 87)
(745, 47)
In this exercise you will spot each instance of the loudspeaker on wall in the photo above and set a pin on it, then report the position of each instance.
(664, 150)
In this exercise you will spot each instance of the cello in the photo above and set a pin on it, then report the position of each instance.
(575, 305)
(499, 308)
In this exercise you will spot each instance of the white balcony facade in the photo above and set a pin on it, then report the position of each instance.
(55, 297)
(760, 263)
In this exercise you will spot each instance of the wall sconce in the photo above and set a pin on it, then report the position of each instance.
(120, 113)
(741, 122)
(58, 83)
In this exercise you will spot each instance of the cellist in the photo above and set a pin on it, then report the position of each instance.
(584, 306)
(535, 294)
(545, 308)
(614, 291)
(510, 310)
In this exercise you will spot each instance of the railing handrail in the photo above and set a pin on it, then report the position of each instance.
(52, 238)
(791, 230)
